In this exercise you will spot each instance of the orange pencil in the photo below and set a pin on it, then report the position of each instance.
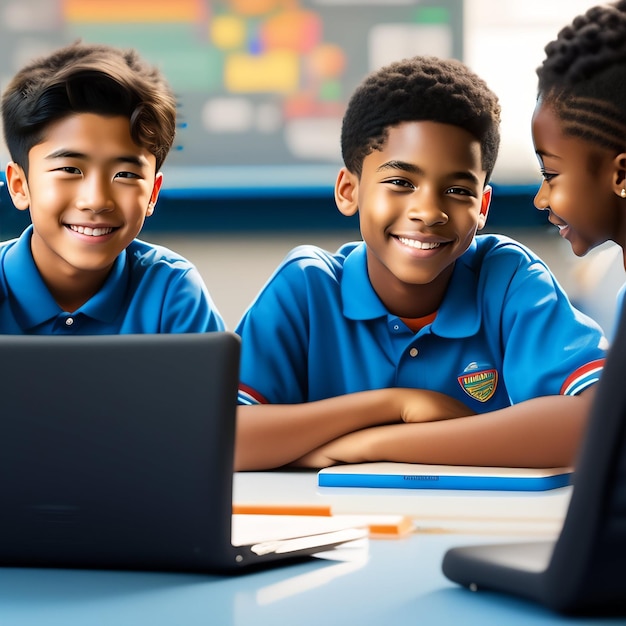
(322, 510)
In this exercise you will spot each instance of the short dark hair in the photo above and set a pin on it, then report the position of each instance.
(88, 78)
(583, 76)
(422, 88)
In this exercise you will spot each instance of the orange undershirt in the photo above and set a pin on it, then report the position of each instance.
(417, 323)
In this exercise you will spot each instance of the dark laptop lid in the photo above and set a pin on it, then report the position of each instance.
(117, 451)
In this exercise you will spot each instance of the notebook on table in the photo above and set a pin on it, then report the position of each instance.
(417, 476)
(582, 572)
(117, 453)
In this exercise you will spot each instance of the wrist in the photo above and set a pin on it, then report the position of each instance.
(379, 406)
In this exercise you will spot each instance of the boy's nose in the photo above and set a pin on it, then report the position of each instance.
(94, 195)
(426, 208)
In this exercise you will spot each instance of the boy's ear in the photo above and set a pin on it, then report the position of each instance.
(156, 188)
(484, 206)
(619, 175)
(17, 186)
(346, 192)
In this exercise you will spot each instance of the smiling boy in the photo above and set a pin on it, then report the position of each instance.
(88, 128)
(424, 342)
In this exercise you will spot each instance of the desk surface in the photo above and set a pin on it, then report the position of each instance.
(401, 583)
(395, 581)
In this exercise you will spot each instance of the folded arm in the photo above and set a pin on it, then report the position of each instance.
(542, 432)
(273, 435)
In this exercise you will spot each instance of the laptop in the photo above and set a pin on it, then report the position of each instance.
(117, 453)
(582, 572)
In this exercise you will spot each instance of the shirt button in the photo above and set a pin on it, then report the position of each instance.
(413, 351)
(396, 327)
(69, 321)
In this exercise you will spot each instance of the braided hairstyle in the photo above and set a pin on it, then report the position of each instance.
(422, 88)
(583, 76)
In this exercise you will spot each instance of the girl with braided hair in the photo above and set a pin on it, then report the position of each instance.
(579, 129)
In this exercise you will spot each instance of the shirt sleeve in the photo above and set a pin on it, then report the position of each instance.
(188, 306)
(275, 337)
(549, 346)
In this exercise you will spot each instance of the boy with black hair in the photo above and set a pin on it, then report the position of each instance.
(424, 342)
(88, 128)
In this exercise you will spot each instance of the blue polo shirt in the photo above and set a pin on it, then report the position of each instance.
(505, 332)
(150, 290)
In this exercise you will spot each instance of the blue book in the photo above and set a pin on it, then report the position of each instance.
(417, 476)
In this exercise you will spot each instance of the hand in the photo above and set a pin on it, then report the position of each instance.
(423, 405)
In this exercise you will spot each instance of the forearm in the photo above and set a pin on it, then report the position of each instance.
(543, 432)
(273, 435)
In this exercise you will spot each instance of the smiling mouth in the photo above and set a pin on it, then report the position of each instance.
(91, 232)
(419, 245)
(560, 225)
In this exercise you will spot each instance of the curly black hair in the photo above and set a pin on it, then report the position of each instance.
(88, 78)
(583, 76)
(422, 88)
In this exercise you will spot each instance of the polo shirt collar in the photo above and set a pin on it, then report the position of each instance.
(35, 302)
(458, 316)
(360, 301)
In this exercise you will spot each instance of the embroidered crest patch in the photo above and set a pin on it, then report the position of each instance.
(479, 381)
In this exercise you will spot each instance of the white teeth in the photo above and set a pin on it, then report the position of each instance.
(92, 232)
(420, 245)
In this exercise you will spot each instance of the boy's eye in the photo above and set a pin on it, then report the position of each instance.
(127, 175)
(68, 169)
(400, 182)
(461, 191)
(547, 176)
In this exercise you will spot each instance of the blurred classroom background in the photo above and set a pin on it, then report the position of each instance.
(262, 86)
